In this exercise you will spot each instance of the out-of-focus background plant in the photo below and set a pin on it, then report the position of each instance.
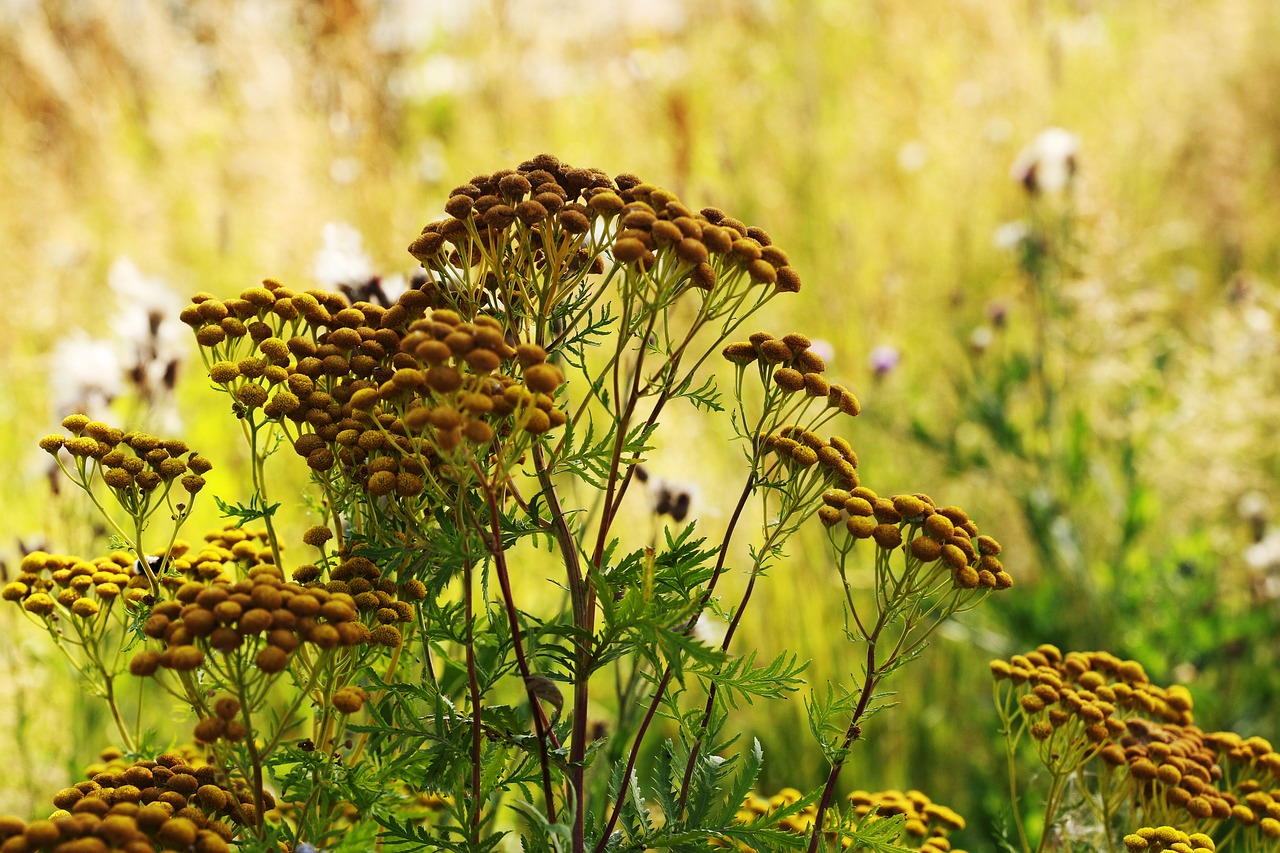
(1045, 237)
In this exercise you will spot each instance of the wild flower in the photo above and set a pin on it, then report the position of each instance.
(153, 344)
(394, 681)
(1047, 166)
(1149, 764)
(341, 261)
(84, 376)
(883, 359)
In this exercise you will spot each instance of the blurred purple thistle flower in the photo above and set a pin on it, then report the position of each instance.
(883, 359)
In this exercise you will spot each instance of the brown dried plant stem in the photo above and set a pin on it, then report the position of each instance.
(851, 734)
(660, 691)
(582, 599)
(542, 725)
(712, 691)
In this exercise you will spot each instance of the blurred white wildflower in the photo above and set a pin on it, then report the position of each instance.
(1264, 555)
(342, 260)
(431, 162)
(980, 339)
(1263, 558)
(84, 376)
(998, 131)
(822, 348)
(344, 170)
(913, 156)
(152, 342)
(1254, 506)
(1048, 164)
(668, 497)
(392, 287)
(710, 631)
(1009, 236)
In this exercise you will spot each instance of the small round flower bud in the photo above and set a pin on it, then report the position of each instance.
(458, 206)
(543, 378)
(887, 536)
(349, 700)
(385, 635)
(908, 506)
(382, 483)
(860, 527)
(75, 423)
(426, 246)
(117, 478)
(40, 604)
(788, 280)
(199, 464)
(606, 203)
(741, 353)
(272, 659)
(85, 608)
(576, 222)
(193, 483)
(210, 336)
(829, 516)
(925, 549)
(761, 271)
(209, 729)
(691, 251)
(317, 535)
(965, 577)
(804, 455)
(628, 250)
(789, 379)
(51, 444)
(536, 421)
(443, 379)
(185, 658)
(703, 277)
(816, 386)
(226, 707)
(144, 663)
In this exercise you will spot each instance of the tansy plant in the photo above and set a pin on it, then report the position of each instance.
(407, 685)
(1124, 765)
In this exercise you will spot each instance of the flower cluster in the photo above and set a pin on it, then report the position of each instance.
(133, 465)
(395, 399)
(1157, 839)
(53, 586)
(227, 554)
(1080, 706)
(925, 826)
(795, 389)
(795, 367)
(545, 210)
(928, 533)
(264, 620)
(927, 823)
(171, 803)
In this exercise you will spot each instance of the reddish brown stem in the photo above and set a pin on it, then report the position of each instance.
(851, 734)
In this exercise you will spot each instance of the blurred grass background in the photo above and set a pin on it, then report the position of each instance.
(211, 141)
